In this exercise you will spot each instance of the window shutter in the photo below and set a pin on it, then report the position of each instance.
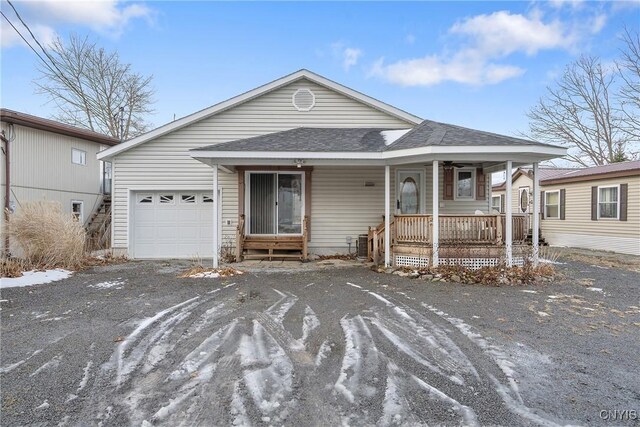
(447, 188)
(562, 197)
(594, 203)
(481, 185)
(542, 205)
(624, 188)
(502, 203)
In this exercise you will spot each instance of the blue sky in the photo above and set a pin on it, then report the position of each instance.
(475, 64)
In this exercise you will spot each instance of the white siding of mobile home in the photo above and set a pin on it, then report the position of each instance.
(41, 169)
(578, 230)
(164, 163)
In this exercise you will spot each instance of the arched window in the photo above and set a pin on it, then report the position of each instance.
(409, 196)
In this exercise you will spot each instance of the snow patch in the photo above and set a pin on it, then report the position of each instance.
(323, 352)
(13, 366)
(53, 363)
(118, 284)
(595, 289)
(45, 405)
(543, 314)
(391, 136)
(529, 291)
(33, 277)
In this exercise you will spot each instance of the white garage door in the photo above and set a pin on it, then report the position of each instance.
(172, 224)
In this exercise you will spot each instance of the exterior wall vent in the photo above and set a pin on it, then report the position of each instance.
(303, 99)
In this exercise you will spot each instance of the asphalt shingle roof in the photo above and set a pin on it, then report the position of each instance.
(427, 133)
(598, 170)
(309, 139)
(434, 133)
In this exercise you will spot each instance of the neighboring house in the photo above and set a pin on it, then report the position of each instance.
(594, 208)
(522, 190)
(306, 165)
(54, 162)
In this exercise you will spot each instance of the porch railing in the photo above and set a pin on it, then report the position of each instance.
(458, 229)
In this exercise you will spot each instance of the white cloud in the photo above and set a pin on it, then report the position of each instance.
(432, 70)
(349, 56)
(107, 17)
(574, 4)
(502, 33)
(484, 43)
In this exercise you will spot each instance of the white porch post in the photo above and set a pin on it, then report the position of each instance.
(387, 216)
(435, 236)
(535, 215)
(508, 238)
(216, 204)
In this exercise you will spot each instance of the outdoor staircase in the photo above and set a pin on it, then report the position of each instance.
(99, 226)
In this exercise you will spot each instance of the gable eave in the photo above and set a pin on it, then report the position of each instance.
(252, 94)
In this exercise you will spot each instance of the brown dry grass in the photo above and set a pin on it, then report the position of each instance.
(47, 236)
(223, 271)
(11, 268)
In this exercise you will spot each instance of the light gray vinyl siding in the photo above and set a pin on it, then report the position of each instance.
(164, 163)
(41, 169)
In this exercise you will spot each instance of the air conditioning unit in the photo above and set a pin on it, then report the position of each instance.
(363, 246)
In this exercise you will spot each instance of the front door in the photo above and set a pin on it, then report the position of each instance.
(409, 192)
(275, 203)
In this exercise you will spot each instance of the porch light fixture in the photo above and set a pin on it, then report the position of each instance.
(299, 162)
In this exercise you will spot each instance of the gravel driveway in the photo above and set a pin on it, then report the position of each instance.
(133, 344)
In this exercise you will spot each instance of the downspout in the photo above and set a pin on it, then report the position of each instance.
(7, 189)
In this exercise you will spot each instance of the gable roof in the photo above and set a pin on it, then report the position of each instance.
(368, 140)
(254, 93)
(543, 173)
(613, 170)
(35, 122)
(309, 139)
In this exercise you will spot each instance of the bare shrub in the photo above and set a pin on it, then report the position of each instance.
(47, 236)
(10, 267)
(227, 250)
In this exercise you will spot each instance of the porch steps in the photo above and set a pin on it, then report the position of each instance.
(270, 247)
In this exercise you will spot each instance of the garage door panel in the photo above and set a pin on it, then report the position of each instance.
(172, 230)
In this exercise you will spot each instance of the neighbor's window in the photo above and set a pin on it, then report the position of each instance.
(76, 211)
(78, 157)
(464, 184)
(552, 204)
(496, 202)
(608, 202)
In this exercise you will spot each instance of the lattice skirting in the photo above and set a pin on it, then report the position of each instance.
(472, 263)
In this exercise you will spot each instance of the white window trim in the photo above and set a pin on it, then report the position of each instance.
(81, 203)
(83, 156)
(499, 208)
(455, 183)
(161, 195)
(617, 218)
(247, 201)
(183, 202)
(546, 196)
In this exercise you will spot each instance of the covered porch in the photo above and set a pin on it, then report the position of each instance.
(431, 185)
(473, 240)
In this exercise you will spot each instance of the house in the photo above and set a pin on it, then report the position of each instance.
(522, 190)
(46, 160)
(593, 208)
(304, 165)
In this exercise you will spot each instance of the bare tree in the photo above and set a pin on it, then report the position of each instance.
(94, 90)
(629, 67)
(580, 112)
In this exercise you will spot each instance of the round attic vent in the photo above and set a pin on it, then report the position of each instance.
(303, 99)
